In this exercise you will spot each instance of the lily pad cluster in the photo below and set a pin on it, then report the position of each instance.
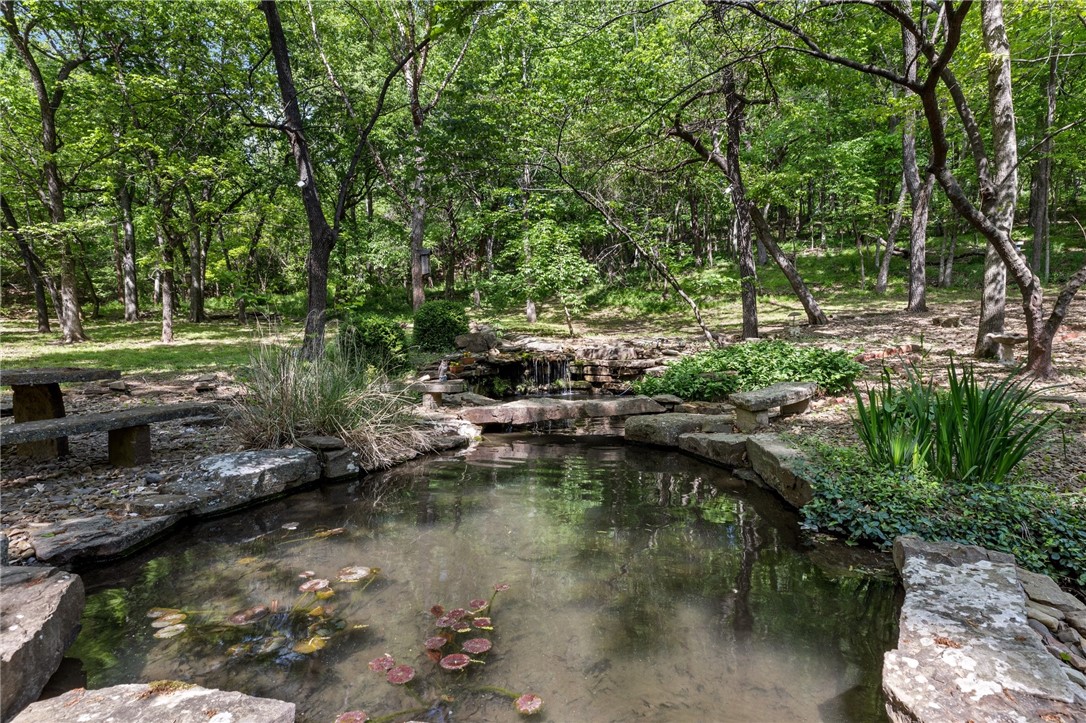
(272, 630)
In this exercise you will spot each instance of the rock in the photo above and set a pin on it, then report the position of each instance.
(205, 386)
(339, 464)
(1048, 621)
(1041, 588)
(665, 429)
(477, 343)
(99, 536)
(1046, 609)
(206, 378)
(39, 619)
(3, 550)
(470, 399)
(775, 461)
(166, 701)
(1077, 620)
(668, 401)
(964, 649)
(155, 504)
(729, 450)
(319, 443)
(1070, 636)
(226, 481)
(119, 386)
(1045, 633)
(621, 407)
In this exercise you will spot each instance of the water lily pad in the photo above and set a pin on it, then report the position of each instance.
(172, 631)
(478, 604)
(483, 623)
(461, 626)
(310, 645)
(313, 585)
(168, 620)
(401, 674)
(385, 663)
(456, 661)
(445, 621)
(528, 704)
(501, 587)
(435, 643)
(249, 615)
(476, 646)
(306, 573)
(159, 612)
(457, 613)
(437, 611)
(352, 716)
(355, 574)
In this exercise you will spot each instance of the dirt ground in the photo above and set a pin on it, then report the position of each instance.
(37, 493)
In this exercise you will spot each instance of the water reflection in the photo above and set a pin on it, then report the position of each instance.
(644, 585)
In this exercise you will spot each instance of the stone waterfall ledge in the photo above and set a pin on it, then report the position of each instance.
(161, 702)
(39, 618)
(965, 650)
(546, 409)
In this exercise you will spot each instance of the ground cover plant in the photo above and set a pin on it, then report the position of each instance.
(438, 323)
(714, 374)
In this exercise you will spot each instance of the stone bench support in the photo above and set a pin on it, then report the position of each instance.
(1007, 342)
(129, 429)
(433, 391)
(752, 408)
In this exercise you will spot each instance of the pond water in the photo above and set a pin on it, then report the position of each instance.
(643, 585)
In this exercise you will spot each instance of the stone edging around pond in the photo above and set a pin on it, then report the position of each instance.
(980, 638)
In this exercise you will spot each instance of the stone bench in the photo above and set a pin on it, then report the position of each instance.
(129, 429)
(752, 408)
(1007, 342)
(432, 391)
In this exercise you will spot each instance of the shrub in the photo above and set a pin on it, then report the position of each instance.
(286, 397)
(869, 503)
(968, 432)
(714, 374)
(438, 323)
(374, 341)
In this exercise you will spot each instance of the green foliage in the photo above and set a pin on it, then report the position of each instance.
(714, 374)
(287, 397)
(438, 323)
(968, 432)
(373, 341)
(869, 503)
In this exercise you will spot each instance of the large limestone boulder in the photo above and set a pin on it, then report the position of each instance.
(546, 409)
(965, 650)
(99, 536)
(161, 702)
(665, 429)
(777, 463)
(225, 481)
(728, 450)
(39, 618)
(621, 407)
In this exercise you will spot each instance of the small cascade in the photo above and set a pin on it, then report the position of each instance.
(548, 374)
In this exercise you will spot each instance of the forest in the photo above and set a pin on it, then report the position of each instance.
(319, 158)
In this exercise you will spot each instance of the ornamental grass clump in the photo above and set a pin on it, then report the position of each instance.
(968, 433)
(286, 397)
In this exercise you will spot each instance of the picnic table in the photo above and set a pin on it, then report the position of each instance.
(41, 429)
(36, 395)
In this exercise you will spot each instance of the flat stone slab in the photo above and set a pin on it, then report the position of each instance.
(226, 481)
(725, 449)
(776, 462)
(965, 651)
(452, 386)
(547, 409)
(161, 702)
(96, 537)
(40, 609)
(54, 375)
(775, 395)
(665, 429)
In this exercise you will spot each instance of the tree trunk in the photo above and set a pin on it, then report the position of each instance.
(32, 265)
(815, 315)
(747, 274)
(1042, 173)
(165, 276)
(418, 225)
(883, 276)
(321, 236)
(128, 253)
(919, 191)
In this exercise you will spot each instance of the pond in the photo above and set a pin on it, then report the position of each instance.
(642, 584)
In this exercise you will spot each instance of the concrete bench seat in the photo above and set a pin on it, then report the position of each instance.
(129, 429)
(433, 391)
(752, 408)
